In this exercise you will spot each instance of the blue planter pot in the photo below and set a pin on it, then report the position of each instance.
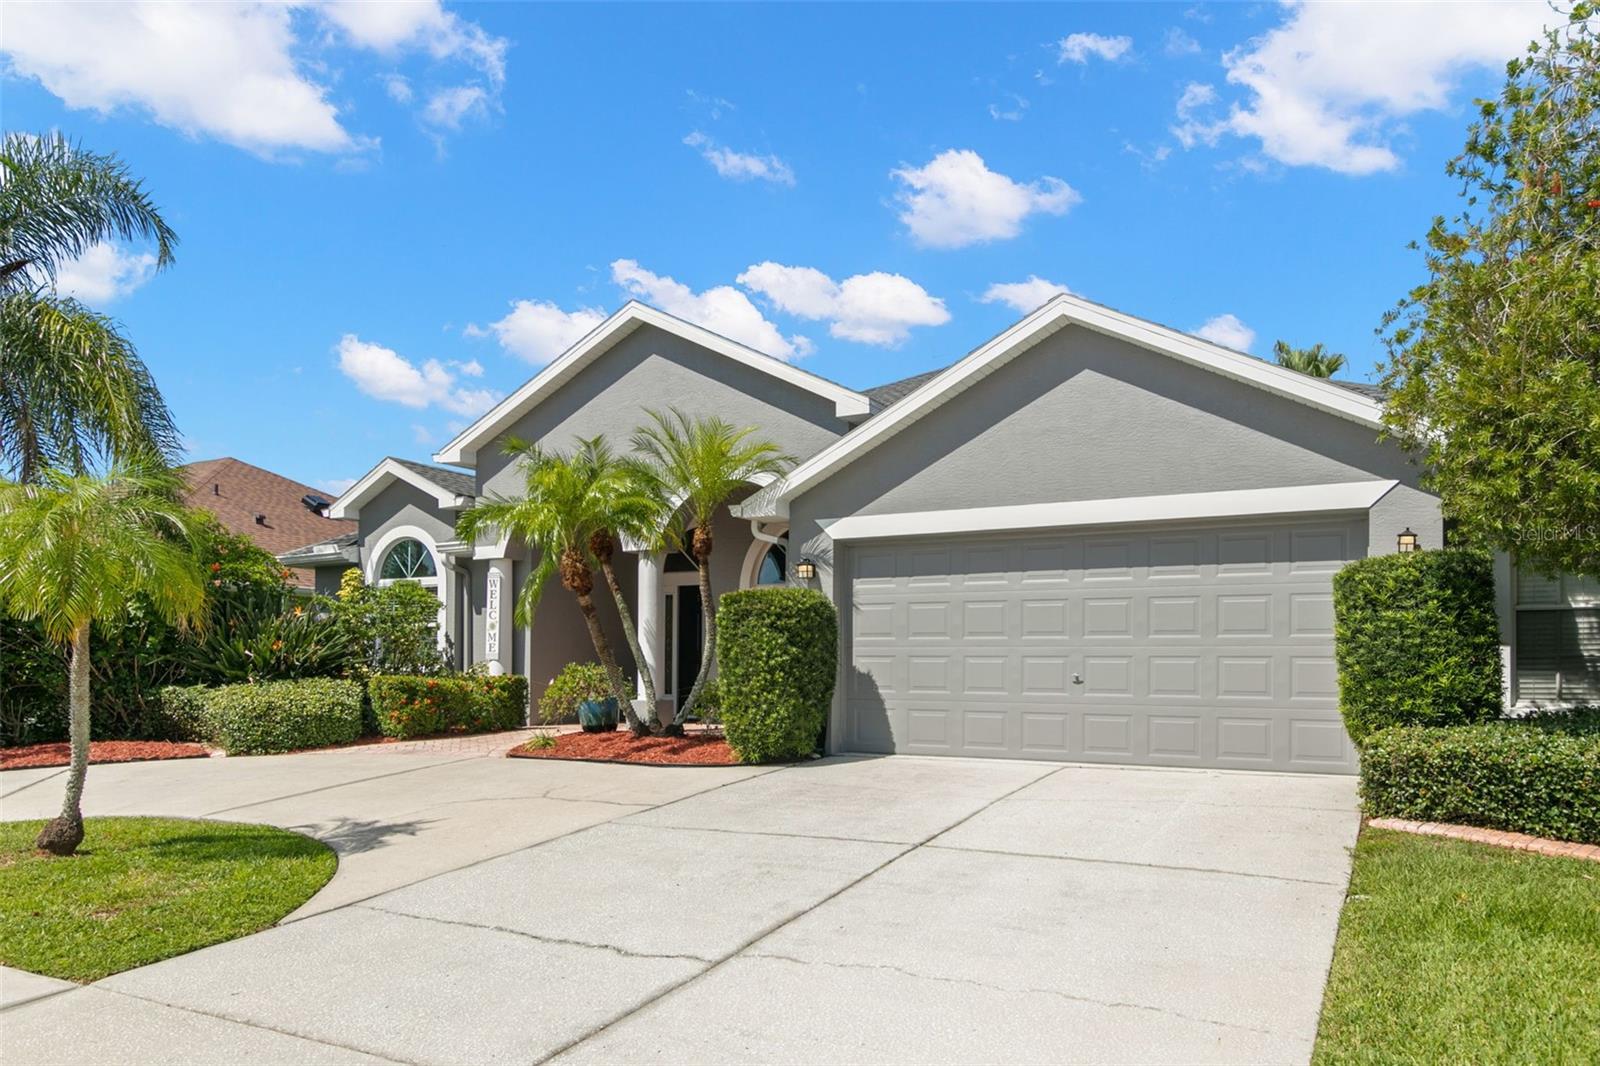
(598, 716)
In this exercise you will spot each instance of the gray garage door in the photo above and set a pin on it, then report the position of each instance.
(1204, 646)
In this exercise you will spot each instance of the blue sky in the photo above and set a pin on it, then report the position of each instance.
(393, 214)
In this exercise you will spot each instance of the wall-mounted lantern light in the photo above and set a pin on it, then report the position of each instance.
(805, 569)
(1407, 542)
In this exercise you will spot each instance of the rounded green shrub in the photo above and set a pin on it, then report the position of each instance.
(274, 716)
(408, 705)
(1539, 776)
(1417, 640)
(575, 683)
(777, 658)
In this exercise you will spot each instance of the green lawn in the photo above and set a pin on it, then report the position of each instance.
(1462, 953)
(144, 889)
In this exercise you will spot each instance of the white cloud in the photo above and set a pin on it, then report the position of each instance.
(336, 485)
(446, 108)
(1325, 87)
(472, 368)
(738, 165)
(538, 331)
(239, 72)
(1023, 296)
(105, 272)
(398, 88)
(394, 26)
(1178, 43)
(1190, 129)
(722, 309)
(1227, 331)
(1081, 47)
(1014, 113)
(956, 200)
(384, 374)
(876, 308)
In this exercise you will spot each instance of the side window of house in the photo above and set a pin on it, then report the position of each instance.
(1558, 639)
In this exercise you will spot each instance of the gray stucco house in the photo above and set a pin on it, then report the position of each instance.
(1093, 538)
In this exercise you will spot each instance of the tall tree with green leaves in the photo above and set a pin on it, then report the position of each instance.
(566, 500)
(1315, 360)
(76, 549)
(1494, 360)
(698, 464)
(73, 390)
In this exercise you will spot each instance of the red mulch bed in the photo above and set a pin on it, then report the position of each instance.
(696, 749)
(60, 754)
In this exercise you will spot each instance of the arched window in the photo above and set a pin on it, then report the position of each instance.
(408, 560)
(774, 568)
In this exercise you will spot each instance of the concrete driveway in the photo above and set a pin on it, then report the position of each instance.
(849, 910)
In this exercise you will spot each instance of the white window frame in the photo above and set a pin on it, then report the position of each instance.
(440, 586)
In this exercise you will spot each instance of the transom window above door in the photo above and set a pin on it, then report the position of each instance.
(408, 560)
(774, 568)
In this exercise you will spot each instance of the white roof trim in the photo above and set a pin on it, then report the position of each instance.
(463, 449)
(374, 481)
(1129, 510)
(1059, 312)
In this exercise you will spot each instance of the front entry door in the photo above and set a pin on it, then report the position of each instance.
(690, 642)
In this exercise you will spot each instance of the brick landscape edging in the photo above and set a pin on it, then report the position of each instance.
(1563, 849)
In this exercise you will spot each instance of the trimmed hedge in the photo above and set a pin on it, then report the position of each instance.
(1539, 776)
(1417, 640)
(267, 717)
(409, 706)
(777, 656)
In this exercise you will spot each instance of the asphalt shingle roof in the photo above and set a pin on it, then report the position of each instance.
(454, 481)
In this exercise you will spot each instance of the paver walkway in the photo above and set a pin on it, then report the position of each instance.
(848, 910)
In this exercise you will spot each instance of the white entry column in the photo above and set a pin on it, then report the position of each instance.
(496, 611)
(649, 615)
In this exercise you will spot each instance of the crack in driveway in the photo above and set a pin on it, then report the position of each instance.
(971, 982)
(613, 948)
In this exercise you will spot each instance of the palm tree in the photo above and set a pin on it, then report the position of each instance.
(72, 387)
(77, 549)
(699, 464)
(626, 506)
(1315, 360)
(566, 500)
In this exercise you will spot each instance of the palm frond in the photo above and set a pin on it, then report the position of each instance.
(58, 200)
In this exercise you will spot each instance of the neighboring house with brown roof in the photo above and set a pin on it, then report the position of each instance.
(278, 514)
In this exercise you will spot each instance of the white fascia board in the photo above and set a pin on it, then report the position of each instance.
(1059, 312)
(1130, 510)
(463, 449)
(349, 504)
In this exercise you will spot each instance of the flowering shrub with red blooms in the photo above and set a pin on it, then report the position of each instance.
(407, 705)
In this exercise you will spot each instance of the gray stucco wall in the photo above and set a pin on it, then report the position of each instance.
(651, 369)
(326, 579)
(400, 504)
(1084, 416)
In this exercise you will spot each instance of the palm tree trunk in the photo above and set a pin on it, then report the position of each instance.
(638, 727)
(708, 646)
(608, 660)
(63, 834)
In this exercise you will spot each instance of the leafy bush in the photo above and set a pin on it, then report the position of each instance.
(270, 637)
(1528, 776)
(575, 683)
(777, 656)
(1417, 640)
(412, 706)
(275, 716)
(391, 629)
(709, 707)
(183, 714)
(133, 660)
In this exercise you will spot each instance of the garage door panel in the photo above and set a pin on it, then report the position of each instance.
(1209, 646)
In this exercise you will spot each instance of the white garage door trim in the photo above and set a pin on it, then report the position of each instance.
(1127, 510)
(1205, 644)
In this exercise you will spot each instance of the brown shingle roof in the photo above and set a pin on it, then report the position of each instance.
(236, 492)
